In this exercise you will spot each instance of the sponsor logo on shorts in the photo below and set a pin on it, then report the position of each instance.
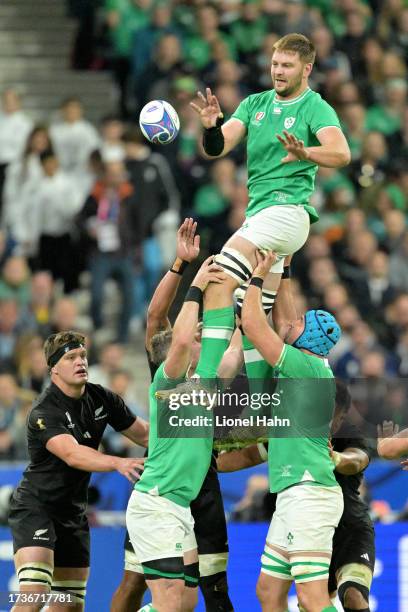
(289, 121)
(38, 535)
(98, 414)
(179, 546)
(290, 537)
(87, 435)
(365, 556)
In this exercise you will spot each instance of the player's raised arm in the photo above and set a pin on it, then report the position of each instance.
(188, 249)
(254, 321)
(284, 310)
(218, 139)
(185, 327)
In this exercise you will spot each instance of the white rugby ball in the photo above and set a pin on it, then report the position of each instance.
(159, 122)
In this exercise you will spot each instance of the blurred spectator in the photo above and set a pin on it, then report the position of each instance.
(22, 176)
(74, 138)
(198, 46)
(34, 371)
(15, 281)
(9, 406)
(64, 315)
(353, 39)
(145, 39)
(164, 67)
(395, 228)
(49, 221)
(249, 29)
(41, 300)
(386, 116)
(14, 129)
(158, 203)
(124, 18)
(111, 217)
(111, 357)
(10, 330)
(348, 366)
(399, 265)
(112, 130)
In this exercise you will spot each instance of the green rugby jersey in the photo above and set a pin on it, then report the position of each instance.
(298, 453)
(270, 182)
(175, 467)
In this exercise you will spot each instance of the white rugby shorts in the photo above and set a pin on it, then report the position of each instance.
(281, 228)
(158, 528)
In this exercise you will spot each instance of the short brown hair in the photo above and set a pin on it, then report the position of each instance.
(55, 341)
(297, 43)
(159, 346)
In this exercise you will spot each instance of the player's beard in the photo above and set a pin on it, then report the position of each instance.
(291, 87)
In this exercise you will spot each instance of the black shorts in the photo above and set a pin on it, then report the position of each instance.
(355, 545)
(35, 525)
(210, 527)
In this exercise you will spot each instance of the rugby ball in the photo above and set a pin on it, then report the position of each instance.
(159, 122)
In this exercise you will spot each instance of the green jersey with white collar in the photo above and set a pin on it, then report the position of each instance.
(271, 182)
(298, 451)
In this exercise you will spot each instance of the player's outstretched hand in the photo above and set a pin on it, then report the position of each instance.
(188, 242)
(387, 430)
(264, 262)
(209, 108)
(130, 468)
(295, 148)
(209, 272)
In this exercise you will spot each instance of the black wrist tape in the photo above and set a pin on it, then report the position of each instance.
(287, 273)
(257, 281)
(194, 294)
(213, 139)
(178, 268)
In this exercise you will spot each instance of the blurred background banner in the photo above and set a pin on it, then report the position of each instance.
(389, 590)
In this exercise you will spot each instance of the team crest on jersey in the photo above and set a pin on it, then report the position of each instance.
(259, 116)
(289, 121)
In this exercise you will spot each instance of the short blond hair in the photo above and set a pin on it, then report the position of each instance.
(297, 43)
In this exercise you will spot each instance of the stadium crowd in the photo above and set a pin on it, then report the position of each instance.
(79, 198)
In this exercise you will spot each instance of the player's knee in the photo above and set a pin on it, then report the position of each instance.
(235, 265)
(133, 582)
(74, 592)
(215, 592)
(36, 575)
(353, 596)
(267, 593)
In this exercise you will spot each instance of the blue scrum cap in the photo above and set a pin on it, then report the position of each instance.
(321, 332)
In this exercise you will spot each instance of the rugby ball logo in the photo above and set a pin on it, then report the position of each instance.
(259, 116)
(289, 121)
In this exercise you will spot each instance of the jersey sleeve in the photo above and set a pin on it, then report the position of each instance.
(323, 115)
(120, 417)
(293, 363)
(242, 112)
(44, 424)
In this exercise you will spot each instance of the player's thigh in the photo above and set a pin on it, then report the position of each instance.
(283, 229)
(34, 568)
(157, 527)
(320, 508)
(210, 530)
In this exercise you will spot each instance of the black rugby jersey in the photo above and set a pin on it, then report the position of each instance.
(47, 479)
(355, 508)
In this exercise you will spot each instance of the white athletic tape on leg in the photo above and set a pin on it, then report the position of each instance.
(235, 264)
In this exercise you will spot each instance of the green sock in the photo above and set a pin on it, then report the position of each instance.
(255, 365)
(218, 327)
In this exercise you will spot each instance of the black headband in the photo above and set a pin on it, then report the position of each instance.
(65, 348)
